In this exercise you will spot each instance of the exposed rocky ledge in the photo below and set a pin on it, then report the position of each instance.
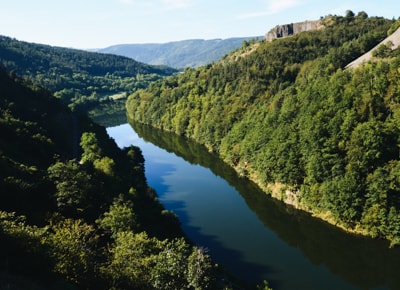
(286, 30)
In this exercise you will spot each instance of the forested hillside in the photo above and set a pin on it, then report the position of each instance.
(181, 54)
(76, 211)
(289, 116)
(77, 77)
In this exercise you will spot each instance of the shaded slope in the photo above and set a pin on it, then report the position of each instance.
(73, 205)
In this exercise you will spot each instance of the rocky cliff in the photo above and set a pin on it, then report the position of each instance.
(285, 30)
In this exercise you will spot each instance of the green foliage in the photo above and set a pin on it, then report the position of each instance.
(179, 266)
(119, 218)
(25, 236)
(131, 259)
(200, 270)
(22, 253)
(383, 50)
(285, 112)
(31, 135)
(393, 27)
(82, 79)
(71, 245)
(170, 269)
(105, 165)
(66, 224)
(147, 263)
(90, 147)
(73, 186)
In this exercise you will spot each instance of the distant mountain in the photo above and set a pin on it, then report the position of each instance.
(185, 53)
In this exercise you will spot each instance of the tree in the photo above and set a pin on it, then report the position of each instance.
(119, 218)
(73, 186)
(105, 165)
(179, 266)
(72, 246)
(367, 145)
(393, 228)
(170, 269)
(200, 269)
(362, 15)
(350, 14)
(383, 50)
(376, 205)
(90, 146)
(131, 260)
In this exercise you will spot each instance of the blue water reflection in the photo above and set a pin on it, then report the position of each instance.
(252, 244)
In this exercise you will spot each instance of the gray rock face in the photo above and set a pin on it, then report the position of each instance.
(286, 30)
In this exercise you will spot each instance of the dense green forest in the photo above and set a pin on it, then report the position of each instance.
(288, 115)
(80, 78)
(76, 211)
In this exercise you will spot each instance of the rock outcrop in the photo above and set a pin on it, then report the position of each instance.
(286, 30)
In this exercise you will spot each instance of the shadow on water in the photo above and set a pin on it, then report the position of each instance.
(156, 176)
(232, 259)
(363, 262)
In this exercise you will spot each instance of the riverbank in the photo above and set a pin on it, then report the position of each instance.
(292, 197)
(256, 236)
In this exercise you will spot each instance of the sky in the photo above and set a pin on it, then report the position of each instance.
(88, 24)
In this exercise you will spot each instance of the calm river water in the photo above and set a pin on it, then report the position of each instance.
(253, 236)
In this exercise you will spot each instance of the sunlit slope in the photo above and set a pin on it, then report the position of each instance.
(287, 115)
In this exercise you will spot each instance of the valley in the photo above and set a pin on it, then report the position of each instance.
(290, 172)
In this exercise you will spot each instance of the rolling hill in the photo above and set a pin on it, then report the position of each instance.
(79, 78)
(185, 53)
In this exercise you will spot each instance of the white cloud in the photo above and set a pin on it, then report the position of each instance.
(176, 4)
(272, 7)
(253, 15)
(157, 5)
(128, 2)
(278, 6)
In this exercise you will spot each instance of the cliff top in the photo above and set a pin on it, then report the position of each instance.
(286, 30)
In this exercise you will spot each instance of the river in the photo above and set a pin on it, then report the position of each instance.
(252, 235)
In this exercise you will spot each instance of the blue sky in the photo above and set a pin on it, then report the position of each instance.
(101, 23)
